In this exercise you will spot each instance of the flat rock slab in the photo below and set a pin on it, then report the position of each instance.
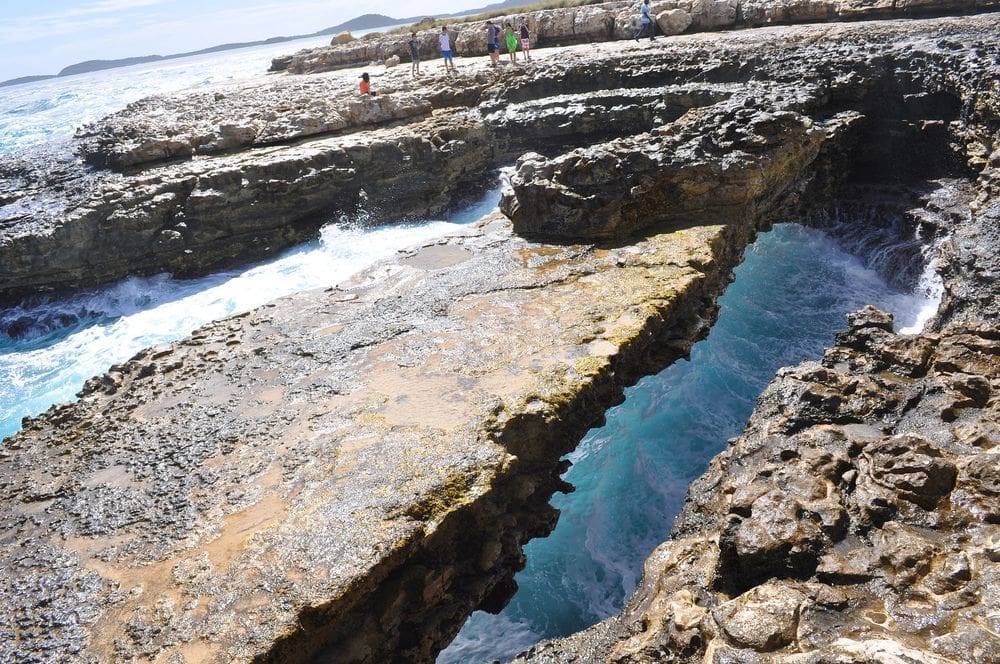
(201, 499)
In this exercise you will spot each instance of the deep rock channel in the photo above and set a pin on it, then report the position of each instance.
(346, 474)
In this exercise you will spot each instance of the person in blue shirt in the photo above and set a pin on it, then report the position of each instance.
(493, 43)
(645, 22)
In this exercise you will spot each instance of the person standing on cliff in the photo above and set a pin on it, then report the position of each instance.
(493, 43)
(445, 41)
(645, 22)
(525, 38)
(414, 54)
(511, 40)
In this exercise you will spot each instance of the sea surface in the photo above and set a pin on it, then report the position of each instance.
(792, 293)
(51, 110)
(790, 296)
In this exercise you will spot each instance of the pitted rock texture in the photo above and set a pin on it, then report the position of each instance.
(855, 520)
(724, 103)
(782, 144)
(606, 21)
(671, 175)
(347, 474)
(343, 474)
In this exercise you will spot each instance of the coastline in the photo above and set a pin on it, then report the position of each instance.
(341, 469)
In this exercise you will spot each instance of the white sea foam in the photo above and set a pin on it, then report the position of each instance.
(790, 296)
(112, 324)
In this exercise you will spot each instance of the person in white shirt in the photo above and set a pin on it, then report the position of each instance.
(444, 39)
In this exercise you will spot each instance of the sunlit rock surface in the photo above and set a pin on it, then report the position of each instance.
(346, 474)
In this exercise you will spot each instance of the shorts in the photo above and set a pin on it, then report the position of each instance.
(491, 48)
(525, 44)
(446, 55)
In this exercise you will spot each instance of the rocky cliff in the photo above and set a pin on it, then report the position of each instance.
(346, 474)
(855, 520)
(607, 21)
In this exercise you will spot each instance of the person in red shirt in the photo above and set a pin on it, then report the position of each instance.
(366, 86)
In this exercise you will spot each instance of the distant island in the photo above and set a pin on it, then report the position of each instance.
(363, 22)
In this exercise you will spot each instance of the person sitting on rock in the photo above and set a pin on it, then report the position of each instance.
(444, 39)
(645, 22)
(414, 54)
(366, 86)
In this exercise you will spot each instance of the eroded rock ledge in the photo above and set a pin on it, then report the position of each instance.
(267, 164)
(353, 469)
(606, 21)
(857, 519)
(348, 473)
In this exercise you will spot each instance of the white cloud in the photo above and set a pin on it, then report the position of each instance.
(23, 29)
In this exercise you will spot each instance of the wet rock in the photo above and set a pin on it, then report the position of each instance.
(905, 569)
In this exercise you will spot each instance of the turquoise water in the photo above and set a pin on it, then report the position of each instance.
(790, 296)
(49, 347)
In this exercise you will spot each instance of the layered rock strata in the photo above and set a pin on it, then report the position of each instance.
(197, 197)
(857, 519)
(606, 21)
(351, 470)
(346, 474)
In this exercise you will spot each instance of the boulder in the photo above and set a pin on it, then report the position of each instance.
(554, 25)
(392, 61)
(594, 23)
(710, 14)
(341, 38)
(763, 619)
(673, 21)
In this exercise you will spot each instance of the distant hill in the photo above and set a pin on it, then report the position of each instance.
(25, 79)
(97, 65)
(364, 22)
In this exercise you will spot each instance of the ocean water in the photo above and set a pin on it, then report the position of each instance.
(49, 347)
(51, 110)
(790, 296)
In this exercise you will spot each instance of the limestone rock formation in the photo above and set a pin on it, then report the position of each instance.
(341, 38)
(617, 20)
(348, 473)
(467, 125)
(671, 176)
(673, 21)
(856, 519)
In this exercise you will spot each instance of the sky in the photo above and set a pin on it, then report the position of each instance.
(43, 36)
